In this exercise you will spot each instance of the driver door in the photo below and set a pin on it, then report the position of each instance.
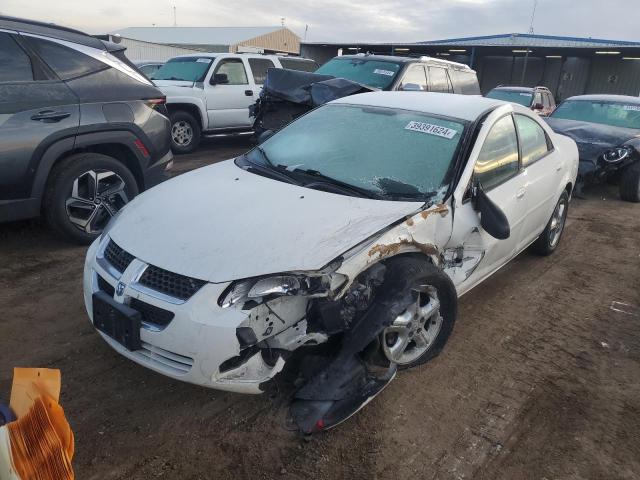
(472, 254)
(228, 103)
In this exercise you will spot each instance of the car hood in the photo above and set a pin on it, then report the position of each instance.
(594, 139)
(221, 223)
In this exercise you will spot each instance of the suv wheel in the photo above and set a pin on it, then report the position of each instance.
(185, 132)
(83, 192)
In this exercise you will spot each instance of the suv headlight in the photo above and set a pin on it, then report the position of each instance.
(616, 154)
(266, 288)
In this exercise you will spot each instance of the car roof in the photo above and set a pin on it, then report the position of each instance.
(514, 89)
(607, 98)
(222, 55)
(464, 107)
(423, 59)
(50, 30)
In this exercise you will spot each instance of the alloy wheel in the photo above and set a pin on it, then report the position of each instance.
(96, 196)
(182, 133)
(557, 222)
(415, 330)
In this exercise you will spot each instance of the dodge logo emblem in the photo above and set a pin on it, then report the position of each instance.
(120, 288)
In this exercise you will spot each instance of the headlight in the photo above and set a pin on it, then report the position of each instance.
(616, 154)
(266, 288)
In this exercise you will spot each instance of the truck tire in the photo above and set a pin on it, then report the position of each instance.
(185, 132)
(630, 184)
(83, 192)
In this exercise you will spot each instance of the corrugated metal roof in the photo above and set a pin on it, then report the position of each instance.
(194, 35)
(530, 40)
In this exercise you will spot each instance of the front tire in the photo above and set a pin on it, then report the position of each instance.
(630, 184)
(83, 192)
(549, 239)
(185, 132)
(420, 302)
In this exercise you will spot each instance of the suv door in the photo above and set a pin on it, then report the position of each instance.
(36, 109)
(228, 103)
(497, 168)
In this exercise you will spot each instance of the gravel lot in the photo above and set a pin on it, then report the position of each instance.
(540, 379)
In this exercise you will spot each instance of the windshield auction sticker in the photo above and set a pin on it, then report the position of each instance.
(634, 108)
(431, 129)
(388, 73)
(203, 60)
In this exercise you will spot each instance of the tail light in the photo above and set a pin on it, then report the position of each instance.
(158, 104)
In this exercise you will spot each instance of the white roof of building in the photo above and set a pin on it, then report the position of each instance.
(464, 107)
(194, 35)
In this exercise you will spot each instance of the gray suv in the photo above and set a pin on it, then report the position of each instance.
(82, 131)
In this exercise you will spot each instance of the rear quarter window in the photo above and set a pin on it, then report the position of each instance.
(66, 62)
(465, 82)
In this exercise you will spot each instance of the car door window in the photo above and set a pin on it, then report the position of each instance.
(234, 69)
(416, 78)
(64, 61)
(259, 67)
(498, 158)
(15, 65)
(545, 101)
(533, 140)
(439, 80)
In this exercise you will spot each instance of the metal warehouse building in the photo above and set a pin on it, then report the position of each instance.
(566, 65)
(141, 41)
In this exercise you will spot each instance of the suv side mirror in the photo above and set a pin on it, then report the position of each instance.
(219, 78)
(492, 218)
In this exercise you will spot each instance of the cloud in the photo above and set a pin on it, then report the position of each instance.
(352, 20)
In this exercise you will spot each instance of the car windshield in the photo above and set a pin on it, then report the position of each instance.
(372, 73)
(190, 69)
(513, 96)
(387, 152)
(606, 113)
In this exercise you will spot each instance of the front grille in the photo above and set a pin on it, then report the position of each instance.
(172, 284)
(117, 257)
(151, 313)
(106, 286)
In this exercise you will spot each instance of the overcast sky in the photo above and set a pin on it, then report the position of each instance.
(355, 20)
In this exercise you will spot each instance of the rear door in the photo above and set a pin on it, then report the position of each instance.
(439, 80)
(36, 109)
(228, 103)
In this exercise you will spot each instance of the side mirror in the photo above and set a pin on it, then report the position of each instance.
(492, 218)
(538, 106)
(411, 87)
(264, 136)
(219, 78)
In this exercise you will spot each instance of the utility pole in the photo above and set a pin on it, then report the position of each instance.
(526, 55)
(306, 29)
(175, 22)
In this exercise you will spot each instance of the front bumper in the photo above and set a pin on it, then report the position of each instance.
(199, 338)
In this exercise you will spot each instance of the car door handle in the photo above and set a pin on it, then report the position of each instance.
(50, 116)
(521, 193)
(248, 93)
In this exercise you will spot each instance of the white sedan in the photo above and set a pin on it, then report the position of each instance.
(347, 237)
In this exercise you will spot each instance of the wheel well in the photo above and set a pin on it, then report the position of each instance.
(117, 151)
(569, 188)
(186, 107)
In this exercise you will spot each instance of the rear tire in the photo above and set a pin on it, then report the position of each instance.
(549, 240)
(630, 184)
(185, 132)
(83, 192)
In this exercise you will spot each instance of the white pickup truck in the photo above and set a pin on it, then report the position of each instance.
(211, 92)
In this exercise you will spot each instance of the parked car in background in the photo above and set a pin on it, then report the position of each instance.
(538, 99)
(288, 95)
(607, 131)
(211, 93)
(81, 130)
(149, 68)
(361, 257)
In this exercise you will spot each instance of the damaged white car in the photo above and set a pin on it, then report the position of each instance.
(339, 245)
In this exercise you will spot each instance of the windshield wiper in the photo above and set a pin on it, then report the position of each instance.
(267, 168)
(346, 187)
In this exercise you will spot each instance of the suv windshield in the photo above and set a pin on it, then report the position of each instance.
(190, 69)
(372, 73)
(606, 113)
(513, 96)
(388, 152)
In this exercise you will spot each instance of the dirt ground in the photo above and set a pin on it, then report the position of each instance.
(540, 379)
